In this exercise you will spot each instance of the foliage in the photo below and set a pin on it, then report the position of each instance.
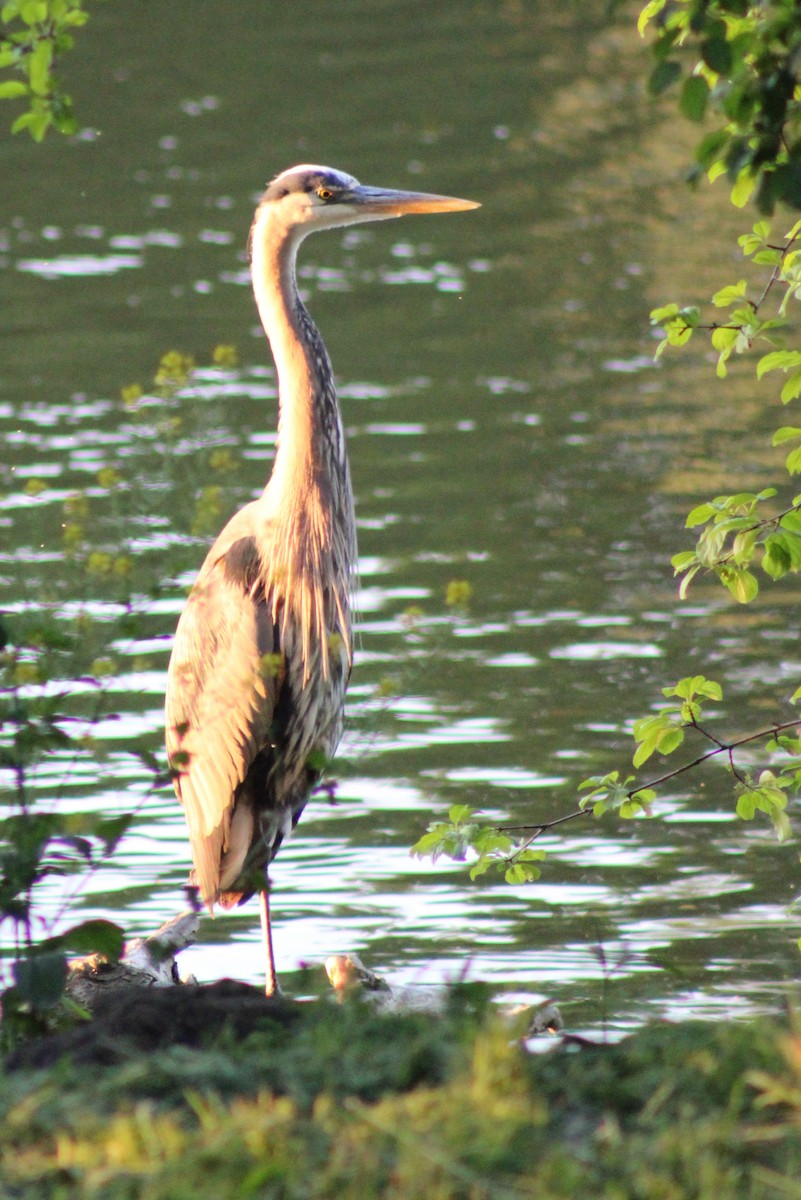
(34, 34)
(494, 847)
(61, 653)
(748, 530)
(737, 64)
(509, 848)
(38, 843)
(739, 61)
(351, 1102)
(665, 732)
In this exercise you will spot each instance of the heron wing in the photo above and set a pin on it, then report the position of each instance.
(223, 679)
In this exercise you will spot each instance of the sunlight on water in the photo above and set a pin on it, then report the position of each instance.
(79, 265)
(501, 435)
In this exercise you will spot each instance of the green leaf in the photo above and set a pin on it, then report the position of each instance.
(652, 9)
(695, 685)
(678, 333)
(729, 295)
(23, 122)
(746, 806)
(710, 545)
(684, 688)
(742, 584)
(743, 546)
(768, 258)
(38, 65)
(699, 516)
(658, 733)
(785, 434)
(694, 97)
(530, 855)
(481, 866)
(776, 560)
(716, 53)
(521, 873)
(64, 118)
(778, 360)
(37, 124)
(749, 244)
(687, 580)
(792, 544)
(724, 337)
(429, 843)
(90, 937)
(708, 150)
(644, 752)
(663, 75)
(792, 388)
(793, 461)
(743, 188)
(488, 840)
(12, 88)
(671, 741)
(781, 824)
(657, 315)
(33, 12)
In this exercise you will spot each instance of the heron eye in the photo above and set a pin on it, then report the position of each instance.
(325, 193)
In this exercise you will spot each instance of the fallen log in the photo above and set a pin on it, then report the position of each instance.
(146, 962)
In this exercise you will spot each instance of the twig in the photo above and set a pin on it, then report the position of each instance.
(720, 748)
(544, 825)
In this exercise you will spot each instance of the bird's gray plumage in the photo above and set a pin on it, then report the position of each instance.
(263, 649)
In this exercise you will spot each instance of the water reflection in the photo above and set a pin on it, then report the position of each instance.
(85, 265)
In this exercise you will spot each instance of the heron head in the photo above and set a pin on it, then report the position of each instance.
(312, 197)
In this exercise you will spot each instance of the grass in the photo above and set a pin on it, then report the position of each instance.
(346, 1102)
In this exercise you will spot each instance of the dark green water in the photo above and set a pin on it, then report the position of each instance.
(506, 427)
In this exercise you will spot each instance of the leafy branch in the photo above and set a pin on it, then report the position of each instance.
(738, 61)
(492, 846)
(34, 34)
(664, 732)
(733, 538)
(508, 848)
(736, 64)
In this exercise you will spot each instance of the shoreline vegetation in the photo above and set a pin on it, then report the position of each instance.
(218, 1090)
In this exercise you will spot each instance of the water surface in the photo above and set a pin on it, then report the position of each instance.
(506, 426)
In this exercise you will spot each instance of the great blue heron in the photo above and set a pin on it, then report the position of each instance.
(263, 650)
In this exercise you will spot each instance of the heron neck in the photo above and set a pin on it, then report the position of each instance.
(308, 502)
(310, 438)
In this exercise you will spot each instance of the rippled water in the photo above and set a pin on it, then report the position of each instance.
(507, 426)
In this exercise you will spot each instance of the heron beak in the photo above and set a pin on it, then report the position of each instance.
(384, 202)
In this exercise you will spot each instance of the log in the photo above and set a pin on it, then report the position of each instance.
(146, 962)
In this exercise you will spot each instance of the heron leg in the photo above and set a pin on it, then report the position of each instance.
(271, 987)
